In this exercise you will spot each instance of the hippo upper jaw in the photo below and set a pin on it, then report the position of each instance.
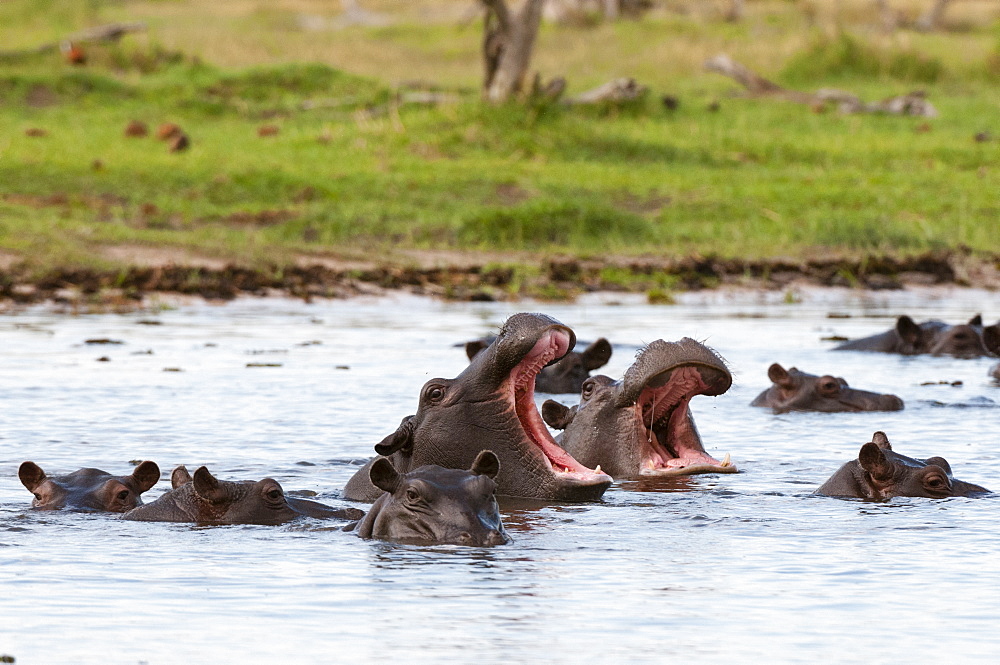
(669, 443)
(568, 479)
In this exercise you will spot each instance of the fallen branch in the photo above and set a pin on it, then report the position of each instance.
(913, 103)
(102, 33)
(616, 91)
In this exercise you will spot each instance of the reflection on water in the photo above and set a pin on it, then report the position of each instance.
(724, 568)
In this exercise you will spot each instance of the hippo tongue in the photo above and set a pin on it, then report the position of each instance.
(672, 445)
(553, 344)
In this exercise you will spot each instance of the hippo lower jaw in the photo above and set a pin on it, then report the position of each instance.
(671, 446)
(566, 471)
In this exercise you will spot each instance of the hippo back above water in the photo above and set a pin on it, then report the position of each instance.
(967, 340)
(567, 374)
(793, 390)
(433, 505)
(491, 405)
(642, 424)
(880, 473)
(88, 489)
(204, 499)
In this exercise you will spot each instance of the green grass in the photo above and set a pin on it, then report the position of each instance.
(352, 173)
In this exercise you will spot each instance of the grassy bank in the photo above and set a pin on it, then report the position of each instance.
(344, 171)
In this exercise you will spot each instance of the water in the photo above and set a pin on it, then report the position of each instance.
(708, 569)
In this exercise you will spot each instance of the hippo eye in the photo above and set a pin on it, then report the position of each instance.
(434, 393)
(274, 495)
(828, 386)
(123, 495)
(37, 495)
(412, 495)
(587, 390)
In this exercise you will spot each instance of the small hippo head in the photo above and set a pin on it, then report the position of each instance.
(970, 340)
(565, 375)
(88, 489)
(642, 424)
(793, 390)
(234, 502)
(880, 473)
(431, 504)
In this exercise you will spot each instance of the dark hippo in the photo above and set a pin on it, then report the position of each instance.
(431, 504)
(879, 473)
(793, 390)
(967, 340)
(995, 372)
(641, 425)
(88, 489)
(565, 375)
(204, 499)
(491, 405)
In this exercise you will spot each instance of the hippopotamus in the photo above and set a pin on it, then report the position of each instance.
(565, 375)
(880, 473)
(967, 340)
(642, 424)
(995, 372)
(491, 405)
(792, 390)
(431, 504)
(204, 499)
(88, 489)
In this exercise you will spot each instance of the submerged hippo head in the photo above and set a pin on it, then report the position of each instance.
(205, 499)
(968, 340)
(491, 405)
(431, 504)
(567, 374)
(641, 425)
(88, 489)
(793, 390)
(880, 473)
(995, 372)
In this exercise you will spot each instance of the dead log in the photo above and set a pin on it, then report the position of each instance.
(102, 33)
(616, 91)
(913, 103)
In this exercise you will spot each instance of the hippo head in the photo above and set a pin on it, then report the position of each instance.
(970, 340)
(491, 404)
(567, 374)
(431, 504)
(88, 489)
(879, 473)
(641, 425)
(793, 390)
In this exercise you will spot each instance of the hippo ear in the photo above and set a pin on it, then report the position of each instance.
(384, 475)
(146, 475)
(881, 440)
(596, 355)
(874, 461)
(207, 486)
(486, 464)
(31, 475)
(991, 338)
(557, 415)
(401, 438)
(778, 375)
(474, 347)
(977, 320)
(179, 476)
(908, 330)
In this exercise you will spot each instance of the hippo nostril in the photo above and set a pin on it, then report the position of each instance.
(494, 537)
(465, 538)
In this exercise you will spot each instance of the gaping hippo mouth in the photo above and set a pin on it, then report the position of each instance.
(553, 344)
(669, 444)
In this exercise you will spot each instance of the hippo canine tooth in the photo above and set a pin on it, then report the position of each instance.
(597, 469)
(726, 461)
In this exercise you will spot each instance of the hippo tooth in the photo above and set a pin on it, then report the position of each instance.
(650, 465)
(725, 460)
(597, 469)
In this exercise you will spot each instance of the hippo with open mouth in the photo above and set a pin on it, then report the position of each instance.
(641, 425)
(879, 473)
(794, 390)
(491, 405)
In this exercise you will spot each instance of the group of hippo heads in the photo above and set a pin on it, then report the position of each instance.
(477, 436)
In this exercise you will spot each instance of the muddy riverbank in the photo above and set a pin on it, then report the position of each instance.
(478, 277)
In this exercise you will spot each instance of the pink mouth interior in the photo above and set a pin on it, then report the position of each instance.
(665, 409)
(552, 345)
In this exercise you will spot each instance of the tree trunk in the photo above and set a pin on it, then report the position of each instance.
(735, 11)
(886, 15)
(931, 20)
(508, 41)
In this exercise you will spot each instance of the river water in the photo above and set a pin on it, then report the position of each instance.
(746, 567)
